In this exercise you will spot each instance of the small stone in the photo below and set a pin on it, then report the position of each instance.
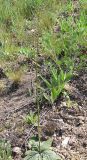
(72, 141)
(16, 150)
(61, 121)
(32, 31)
(29, 146)
(64, 104)
(82, 118)
(65, 142)
(54, 108)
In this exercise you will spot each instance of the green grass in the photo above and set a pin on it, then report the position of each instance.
(61, 28)
(5, 150)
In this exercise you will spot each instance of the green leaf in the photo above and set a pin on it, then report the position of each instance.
(32, 155)
(54, 73)
(62, 76)
(50, 155)
(34, 144)
(46, 82)
(54, 94)
(5, 150)
(68, 76)
(46, 144)
(46, 152)
(47, 97)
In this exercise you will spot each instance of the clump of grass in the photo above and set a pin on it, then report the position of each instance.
(31, 118)
(14, 76)
(5, 150)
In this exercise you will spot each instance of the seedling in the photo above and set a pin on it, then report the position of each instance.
(55, 85)
(5, 150)
(46, 152)
(31, 118)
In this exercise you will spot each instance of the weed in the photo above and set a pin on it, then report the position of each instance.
(5, 150)
(45, 153)
(31, 118)
(29, 53)
(56, 84)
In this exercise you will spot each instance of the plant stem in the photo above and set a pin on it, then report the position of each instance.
(37, 100)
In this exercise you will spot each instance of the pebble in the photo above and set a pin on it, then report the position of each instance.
(65, 142)
(64, 104)
(16, 150)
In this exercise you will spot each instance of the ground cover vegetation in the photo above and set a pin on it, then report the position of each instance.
(44, 40)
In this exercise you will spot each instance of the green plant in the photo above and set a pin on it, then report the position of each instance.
(55, 85)
(29, 53)
(31, 118)
(46, 152)
(40, 150)
(5, 150)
